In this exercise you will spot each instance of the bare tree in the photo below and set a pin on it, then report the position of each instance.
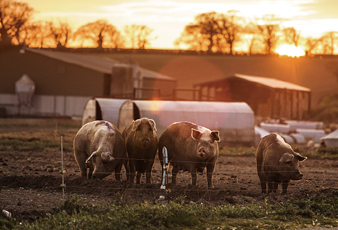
(100, 32)
(251, 38)
(116, 39)
(192, 37)
(212, 32)
(311, 44)
(204, 30)
(138, 35)
(229, 28)
(60, 33)
(13, 16)
(208, 27)
(292, 36)
(268, 29)
(329, 40)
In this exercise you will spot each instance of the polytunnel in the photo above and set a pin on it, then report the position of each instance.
(107, 109)
(234, 120)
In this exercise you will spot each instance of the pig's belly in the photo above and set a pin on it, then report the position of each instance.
(185, 166)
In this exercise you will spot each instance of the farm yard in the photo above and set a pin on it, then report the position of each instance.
(30, 178)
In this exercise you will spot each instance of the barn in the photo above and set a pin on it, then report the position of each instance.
(267, 97)
(68, 74)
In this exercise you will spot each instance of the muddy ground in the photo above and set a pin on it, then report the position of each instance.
(30, 183)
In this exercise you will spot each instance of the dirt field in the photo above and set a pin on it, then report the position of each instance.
(30, 183)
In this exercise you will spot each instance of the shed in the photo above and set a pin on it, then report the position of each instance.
(235, 121)
(79, 74)
(330, 140)
(267, 97)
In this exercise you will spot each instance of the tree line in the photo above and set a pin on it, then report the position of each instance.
(211, 32)
(17, 28)
(229, 33)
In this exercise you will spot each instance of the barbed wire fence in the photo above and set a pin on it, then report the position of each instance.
(162, 190)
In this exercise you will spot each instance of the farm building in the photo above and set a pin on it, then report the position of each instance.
(74, 75)
(267, 97)
(330, 140)
(235, 121)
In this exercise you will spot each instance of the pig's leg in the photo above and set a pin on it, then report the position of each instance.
(275, 186)
(210, 170)
(262, 178)
(138, 177)
(285, 185)
(90, 169)
(132, 164)
(81, 158)
(263, 186)
(174, 173)
(193, 171)
(127, 168)
(270, 186)
(118, 168)
(148, 171)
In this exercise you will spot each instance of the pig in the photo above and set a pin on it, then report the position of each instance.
(191, 148)
(99, 146)
(277, 163)
(142, 144)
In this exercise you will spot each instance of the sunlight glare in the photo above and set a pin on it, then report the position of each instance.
(290, 50)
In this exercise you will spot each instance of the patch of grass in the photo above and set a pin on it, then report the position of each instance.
(36, 123)
(240, 151)
(26, 141)
(75, 214)
(316, 153)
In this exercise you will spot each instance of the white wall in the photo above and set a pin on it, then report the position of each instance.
(45, 105)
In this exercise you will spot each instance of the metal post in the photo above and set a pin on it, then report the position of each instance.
(63, 185)
(164, 174)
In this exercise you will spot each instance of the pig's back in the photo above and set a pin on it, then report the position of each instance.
(181, 129)
(176, 138)
(271, 148)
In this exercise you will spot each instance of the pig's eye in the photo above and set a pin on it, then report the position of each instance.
(211, 142)
(288, 162)
(150, 129)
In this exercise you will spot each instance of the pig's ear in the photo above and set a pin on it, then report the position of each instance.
(89, 158)
(286, 158)
(215, 135)
(135, 124)
(107, 156)
(153, 124)
(300, 157)
(195, 134)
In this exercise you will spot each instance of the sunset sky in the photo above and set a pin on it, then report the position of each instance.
(167, 18)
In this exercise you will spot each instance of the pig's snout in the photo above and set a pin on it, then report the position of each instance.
(300, 176)
(145, 140)
(201, 152)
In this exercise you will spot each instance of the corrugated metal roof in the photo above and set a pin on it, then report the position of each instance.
(333, 135)
(269, 82)
(97, 63)
(272, 83)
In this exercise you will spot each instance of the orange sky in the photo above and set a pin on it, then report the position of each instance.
(168, 17)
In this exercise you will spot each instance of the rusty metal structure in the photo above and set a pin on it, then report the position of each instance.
(267, 97)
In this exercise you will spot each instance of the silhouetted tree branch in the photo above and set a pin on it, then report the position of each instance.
(13, 16)
(101, 32)
(138, 35)
(292, 36)
(60, 33)
(268, 29)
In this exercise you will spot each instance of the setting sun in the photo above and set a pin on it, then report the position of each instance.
(290, 50)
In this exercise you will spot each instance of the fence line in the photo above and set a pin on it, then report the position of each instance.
(318, 184)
